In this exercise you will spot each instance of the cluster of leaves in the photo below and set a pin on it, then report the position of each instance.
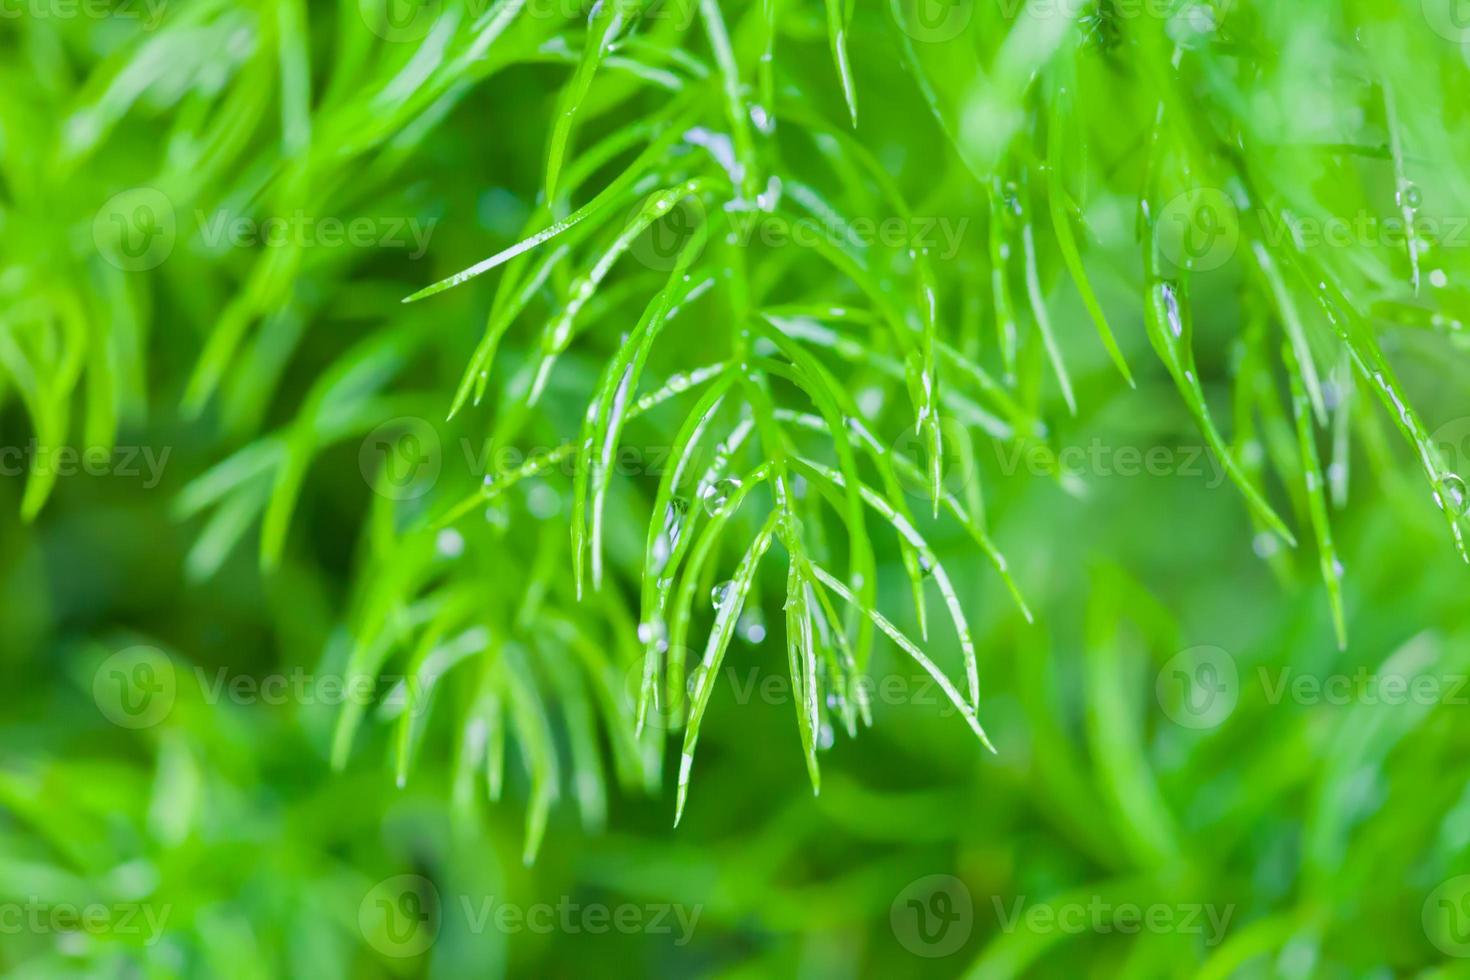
(820, 392)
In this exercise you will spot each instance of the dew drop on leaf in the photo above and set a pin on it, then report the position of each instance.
(1455, 496)
(826, 738)
(716, 497)
(651, 632)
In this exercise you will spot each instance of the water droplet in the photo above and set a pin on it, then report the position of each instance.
(1455, 496)
(826, 737)
(449, 543)
(716, 497)
(720, 594)
(652, 632)
(695, 680)
(662, 548)
(752, 625)
(543, 502)
(1265, 545)
(668, 538)
(1171, 308)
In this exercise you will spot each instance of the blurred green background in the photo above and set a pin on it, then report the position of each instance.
(1191, 776)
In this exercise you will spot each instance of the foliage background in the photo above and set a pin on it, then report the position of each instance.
(1337, 835)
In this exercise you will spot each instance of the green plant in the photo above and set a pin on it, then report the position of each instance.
(811, 263)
